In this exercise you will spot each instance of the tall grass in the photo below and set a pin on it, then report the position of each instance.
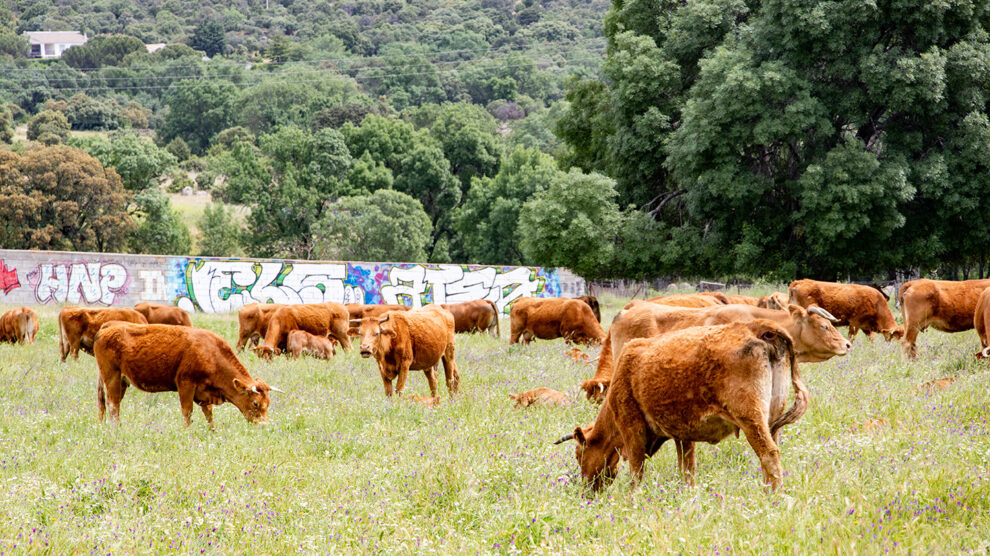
(342, 469)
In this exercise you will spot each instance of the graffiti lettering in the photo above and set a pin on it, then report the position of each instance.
(222, 286)
(8, 279)
(417, 285)
(73, 283)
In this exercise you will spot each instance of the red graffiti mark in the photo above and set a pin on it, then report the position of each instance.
(8, 279)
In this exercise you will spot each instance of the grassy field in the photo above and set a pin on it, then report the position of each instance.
(341, 469)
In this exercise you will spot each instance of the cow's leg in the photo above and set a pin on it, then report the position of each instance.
(431, 379)
(101, 398)
(74, 347)
(632, 427)
(208, 413)
(910, 337)
(452, 376)
(400, 382)
(514, 336)
(187, 397)
(758, 435)
(114, 387)
(687, 458)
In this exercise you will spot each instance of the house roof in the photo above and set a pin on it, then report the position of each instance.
(155, 47)
(64, 37)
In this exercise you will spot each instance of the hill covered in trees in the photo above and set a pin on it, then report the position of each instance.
(634, 139)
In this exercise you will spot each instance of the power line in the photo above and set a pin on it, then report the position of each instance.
(436, 53)
(51, 80)
(286, 82)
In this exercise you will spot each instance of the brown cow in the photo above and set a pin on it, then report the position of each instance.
(19, 326)
(478, 315)
(776, 300)
(321, 319)
(551, 318)
(592, 302)
(300, 342)
(77, 327)
(946, 305)
(357, 311)
(699, 384)
(416, 340)
(721, 297)
(981, 322)
(688, 300)
(860, 307)
(813, 336)
(252, 322)
(194, 362)
(540, 396)
(156, 313)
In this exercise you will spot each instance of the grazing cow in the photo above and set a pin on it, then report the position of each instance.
(77, 327)
(690, 300)
(946, 305)
(19, 326)
(813, 336)
(551, 318)
(357, 311)
(252, 322)
(699, 384)
(194, 362)
(592, 302)
(776, 300)
(981, 322)
(320, 319)
(156, 313)
(300, 342)
(860, 307)
(475, 316)
(416, 340)
(540, 396)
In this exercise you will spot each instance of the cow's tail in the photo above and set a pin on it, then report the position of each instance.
(63, 344)
(800, 405)
(498, 331)
(29, 319)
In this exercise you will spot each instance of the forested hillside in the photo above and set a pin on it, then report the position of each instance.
(634, 139)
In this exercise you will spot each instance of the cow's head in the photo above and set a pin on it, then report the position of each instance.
(376, 334)
(595, 389)
(266, 352)
(895, 333)
(251, 397)
(597, 455)
(815, 338)
(983, 353)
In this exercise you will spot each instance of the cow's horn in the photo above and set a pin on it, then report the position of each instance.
(565, 438)
(355, 321)
(822, 313)
(273, 389)
(255, 389)
(384, 320)
(601, 386)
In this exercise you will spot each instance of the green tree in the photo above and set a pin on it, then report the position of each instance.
(425, 175)
(219, 232)
(60, 198)
(160, 230)
(367, 176)
(572, 224)
(383, 226)
(179, 149)
(12, 44)
(468, 135)
(6, 125)
(488, 221)
(48, 127)
(140, 163)
(102, 50)
(197, 111)
(209, 37)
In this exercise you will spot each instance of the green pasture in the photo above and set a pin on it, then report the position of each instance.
(343, 470)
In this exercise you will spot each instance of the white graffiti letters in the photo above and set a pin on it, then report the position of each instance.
(222, 286)
(89, 282)
(452, 284)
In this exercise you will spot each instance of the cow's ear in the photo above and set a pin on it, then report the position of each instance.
(579, 436)
(388, 332)
(796, 311)
(240, 386)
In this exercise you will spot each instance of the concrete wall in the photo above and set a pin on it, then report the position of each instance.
(218, 285)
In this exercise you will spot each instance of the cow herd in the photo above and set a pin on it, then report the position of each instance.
(688, 368)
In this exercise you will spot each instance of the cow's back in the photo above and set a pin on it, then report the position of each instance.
(429, 330)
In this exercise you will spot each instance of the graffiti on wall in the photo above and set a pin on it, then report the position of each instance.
(218, 286)
(223, 285)
(8, 278)
(92, 282)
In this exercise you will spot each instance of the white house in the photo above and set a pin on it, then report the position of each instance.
(51, 44)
